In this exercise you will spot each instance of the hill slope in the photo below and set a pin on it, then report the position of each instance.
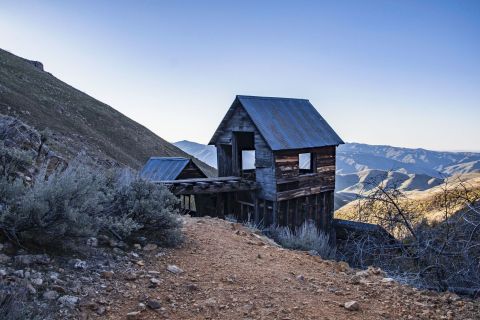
(78, 122)
(231, 273)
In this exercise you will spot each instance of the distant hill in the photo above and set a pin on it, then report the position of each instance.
(429, 201)
(361, 166)
(206, 153)
(355, 157)
(77, 121)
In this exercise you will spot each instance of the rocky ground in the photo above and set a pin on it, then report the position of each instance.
(223, 271)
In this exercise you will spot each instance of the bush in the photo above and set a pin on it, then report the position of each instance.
(306, 237)
(139, 207)
(54, 210)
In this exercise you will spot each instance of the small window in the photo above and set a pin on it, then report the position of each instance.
(248, 159)
(305, 163)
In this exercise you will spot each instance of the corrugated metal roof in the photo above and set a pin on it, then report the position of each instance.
(163, 168)
(286, 123)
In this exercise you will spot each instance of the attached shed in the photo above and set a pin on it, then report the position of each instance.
(167, 169)
(294, 159)
(160, 169)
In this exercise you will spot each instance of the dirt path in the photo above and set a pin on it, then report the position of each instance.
(230, 273)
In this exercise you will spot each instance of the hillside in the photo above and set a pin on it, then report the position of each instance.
(77, 121)
(428, 202)
(228, 272)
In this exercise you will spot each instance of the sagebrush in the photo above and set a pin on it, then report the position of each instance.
(63, 207)
(307, 237)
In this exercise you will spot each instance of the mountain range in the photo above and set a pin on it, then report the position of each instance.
(361, 167)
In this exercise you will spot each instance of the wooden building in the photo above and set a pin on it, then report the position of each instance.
(293, 149)
(158, 169)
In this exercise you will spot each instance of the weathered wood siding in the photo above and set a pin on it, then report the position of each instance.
(291, 184)
(317, 208)
(191, 171)
(264, 163)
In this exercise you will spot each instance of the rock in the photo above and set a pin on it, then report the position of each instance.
(103, 239)
(153, 304)
(31, 289)
(131, 276)
(4, 258)
(19, 273)
(54, 276)
(101, 310)
(174, 269)
(352, 305)
(108, 274)
(137, 246)
(37, 281)
(28, 259)
(59, 289)
(355, 279)
(3, 272)
(192, 287)
(342, 266)
(142, 306)
(300, 277)
(388, 280)
(118, 251)
(155, 281)
(50, 295)
(150, 247)
(92, 242)
(68, 301)
(133, 315)
(79, 264)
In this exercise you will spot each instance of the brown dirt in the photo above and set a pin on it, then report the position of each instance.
(231, 273)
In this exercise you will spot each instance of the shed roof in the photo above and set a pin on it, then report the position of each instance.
(285, 123)
(163, 168)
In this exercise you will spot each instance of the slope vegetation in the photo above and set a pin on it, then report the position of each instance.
(77, 121)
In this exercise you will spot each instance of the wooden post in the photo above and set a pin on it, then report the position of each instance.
(256, 213)
(235, 156)
(274, 213)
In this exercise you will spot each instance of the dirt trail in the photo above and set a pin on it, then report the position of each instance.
(231, 273)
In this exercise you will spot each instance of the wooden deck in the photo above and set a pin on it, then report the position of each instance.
(209, 185)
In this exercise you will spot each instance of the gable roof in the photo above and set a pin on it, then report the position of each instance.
(163, 168)
(284, 123)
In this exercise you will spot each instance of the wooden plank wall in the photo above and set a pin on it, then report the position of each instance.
(291, 184)
(317, 208)
(264, 159)
(191, 171)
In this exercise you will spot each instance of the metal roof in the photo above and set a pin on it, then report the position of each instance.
(163, 168)
(285, 123)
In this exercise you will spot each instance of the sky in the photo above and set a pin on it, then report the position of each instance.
(403, 73)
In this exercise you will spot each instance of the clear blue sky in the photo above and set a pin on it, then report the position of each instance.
(404, 73)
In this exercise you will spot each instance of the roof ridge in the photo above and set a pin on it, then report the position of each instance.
(269, 98)
(169, 158)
